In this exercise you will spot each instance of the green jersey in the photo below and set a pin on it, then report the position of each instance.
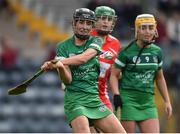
(85, 76)
(142, 75)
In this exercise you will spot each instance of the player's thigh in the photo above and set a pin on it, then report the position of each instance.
(80, 125)
(149, 126)
(109, 124)
(129, 126)
(94, 130)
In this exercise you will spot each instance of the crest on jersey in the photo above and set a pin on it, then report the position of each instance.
(98, 41)
(102, 108)
(134, 60)
(108, 55)
(155, 59)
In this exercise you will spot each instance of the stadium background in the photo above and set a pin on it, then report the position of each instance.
(29, 30)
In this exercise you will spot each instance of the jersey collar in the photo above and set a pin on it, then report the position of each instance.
(108, 37)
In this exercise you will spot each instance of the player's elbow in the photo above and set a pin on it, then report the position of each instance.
(83, 59)
(86, 56)
(67, 81)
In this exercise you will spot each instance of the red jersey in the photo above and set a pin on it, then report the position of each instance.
(110, 48)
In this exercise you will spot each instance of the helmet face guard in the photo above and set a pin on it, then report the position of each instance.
(82, 14)
(146, 20)
(104, 11)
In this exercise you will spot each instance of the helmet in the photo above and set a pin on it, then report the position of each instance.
(82, 14)
(145, 19)
(105, 11)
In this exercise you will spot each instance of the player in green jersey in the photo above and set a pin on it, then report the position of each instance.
(140, 65)
(78, 68)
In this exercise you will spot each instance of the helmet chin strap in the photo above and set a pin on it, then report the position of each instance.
(146, 43)
(103, 33)
(82, 37)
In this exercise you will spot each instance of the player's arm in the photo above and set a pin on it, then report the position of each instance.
(65, 74)
(116, 71)
(114, 78)
(80, 58)
(92, 50)
(64, 71)
(162, 87)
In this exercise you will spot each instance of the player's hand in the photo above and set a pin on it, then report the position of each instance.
(108, 55)
(117, 101)
(168, 109)
(49, 65)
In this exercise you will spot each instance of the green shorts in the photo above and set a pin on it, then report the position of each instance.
(137, 105)
(82, 103)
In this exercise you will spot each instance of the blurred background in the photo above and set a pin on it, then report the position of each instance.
(29, 32)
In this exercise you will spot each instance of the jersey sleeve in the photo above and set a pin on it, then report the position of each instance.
(60, 52)
(120, 61)
(96, 44)
(160, 60)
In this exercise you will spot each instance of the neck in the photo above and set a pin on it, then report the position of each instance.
(141, 44)
(79, 42)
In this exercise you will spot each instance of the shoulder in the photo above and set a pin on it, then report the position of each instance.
(113, 42)
(95, 39)
(155, 47)
(130, 47)
(123, 50)
(114, 39)
(64, 43)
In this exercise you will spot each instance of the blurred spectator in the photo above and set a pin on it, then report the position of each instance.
(162, 28)
(5, 8)
(173, 72)
(173, 27)
(8, 55)
(164, 6)
(168, 5)
(173, 77)
(129, 10)
(4, 5)
(92, 4)
(52, 53)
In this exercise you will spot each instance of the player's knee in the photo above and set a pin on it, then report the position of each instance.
(110, 124)
(81, 129)
(80, 125)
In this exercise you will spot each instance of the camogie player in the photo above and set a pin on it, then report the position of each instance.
(105, 22)
(141, 65)
(78, 68)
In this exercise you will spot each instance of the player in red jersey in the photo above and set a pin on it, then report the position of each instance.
(106, 19)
